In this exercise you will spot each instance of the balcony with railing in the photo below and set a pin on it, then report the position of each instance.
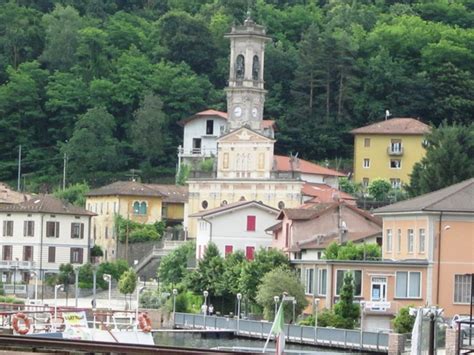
(195, 152)
(395, 150)
(14, 264)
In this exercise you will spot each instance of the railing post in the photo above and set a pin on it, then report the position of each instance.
(345, 338)
(261, 332)
(378, 340)
(194, 321)
(301, 334)
(215, 322)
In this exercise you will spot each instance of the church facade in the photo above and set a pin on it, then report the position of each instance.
(245, 166)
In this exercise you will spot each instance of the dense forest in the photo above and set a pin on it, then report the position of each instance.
(103, 82)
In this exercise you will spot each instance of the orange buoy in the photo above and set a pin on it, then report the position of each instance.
(26, 323)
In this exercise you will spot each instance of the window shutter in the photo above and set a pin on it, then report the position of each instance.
(72, 230)
(25, 228)
(249, 251)
(51, 254)
(81, 255)
(228, 249)
(251, 223)
(57, 229)
(82, 230)
(4, 228)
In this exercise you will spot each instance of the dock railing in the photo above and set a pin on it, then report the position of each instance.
(331, 337)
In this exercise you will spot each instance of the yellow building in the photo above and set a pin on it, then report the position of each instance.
(388, 150)
(143, 203)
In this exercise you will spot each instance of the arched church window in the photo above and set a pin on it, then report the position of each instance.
(240, 67)
(143, 208)
(204, 204)
(223, 203)
(136, 207)
(281, 205)
(255, 68)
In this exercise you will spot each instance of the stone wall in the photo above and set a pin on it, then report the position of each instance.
(136, 251)
(452, 344)
(396, 344)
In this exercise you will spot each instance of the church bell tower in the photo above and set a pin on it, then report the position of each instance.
(245, 92)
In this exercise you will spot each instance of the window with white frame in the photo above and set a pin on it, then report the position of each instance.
(462, 289)
(408, 284)
(309, 281)
(365, 182)
(366, 163)
(410, 240)
(421, 240)
(322, 281)
(395, 164)
(357, 279)
(389, 241)
(396, 183)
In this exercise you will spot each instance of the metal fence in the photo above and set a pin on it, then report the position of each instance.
(342, 338)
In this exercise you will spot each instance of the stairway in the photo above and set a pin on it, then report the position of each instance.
(157, 253)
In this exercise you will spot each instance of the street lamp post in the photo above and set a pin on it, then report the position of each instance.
(205, 294)
(294, 310)
(139, 290)
(175, 293)
(94, 286)
(108, 278)
(276, 299)
(15, 267)
(56, 288)
(76, 276)
(239, 298)
(316, 310)
(362, 309)
(35, 274)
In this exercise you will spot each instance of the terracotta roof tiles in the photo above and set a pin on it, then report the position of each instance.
(283, 163)
(46, 204)
(395, 126)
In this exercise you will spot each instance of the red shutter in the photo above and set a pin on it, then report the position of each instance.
(249, 251)
(229, 249)
(251, 223)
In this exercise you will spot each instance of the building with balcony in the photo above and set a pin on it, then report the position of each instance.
(388, 149)
(39, 235)
(427, 259)
(143, 203)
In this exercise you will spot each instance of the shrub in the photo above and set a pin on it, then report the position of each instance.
(96, 251)
(403, 322)
(138, 232)
(207, 165)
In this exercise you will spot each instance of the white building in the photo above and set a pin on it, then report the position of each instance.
(238, 226)
(41, 234)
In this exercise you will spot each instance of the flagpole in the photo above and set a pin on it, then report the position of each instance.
(271, 330)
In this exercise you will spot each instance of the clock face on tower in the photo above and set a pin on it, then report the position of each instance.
(237, 111)
(254, 112)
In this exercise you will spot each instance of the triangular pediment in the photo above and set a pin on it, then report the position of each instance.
(244, 134)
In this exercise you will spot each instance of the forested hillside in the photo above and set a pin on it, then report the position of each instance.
(105, 81)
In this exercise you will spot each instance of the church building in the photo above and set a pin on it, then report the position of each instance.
(245, 167)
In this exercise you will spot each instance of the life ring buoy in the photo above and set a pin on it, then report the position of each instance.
(144, 322)
(26, 323)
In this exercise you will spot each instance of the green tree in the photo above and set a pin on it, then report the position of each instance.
(93, 147)
(345, 309)
(379, 189)
(86, 278)
(187, 39)
(173, 267)
(208, 274)
(233, 265)
(275, 283)
(114, 268)
(253, 272)
(149, 129)
(75, 194)
(347, 185)
(93, 53)
(351, 251)
(61, 37)
(66, 277)
(448, 159)
(67, 97)
(403, 321)
(128, 282)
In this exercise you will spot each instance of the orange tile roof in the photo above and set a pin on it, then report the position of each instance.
(395, 126)
(324, 193)
(283, 163)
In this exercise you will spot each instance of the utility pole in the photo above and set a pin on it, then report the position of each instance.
(126, 232)
(19, 169)
(64, 171)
